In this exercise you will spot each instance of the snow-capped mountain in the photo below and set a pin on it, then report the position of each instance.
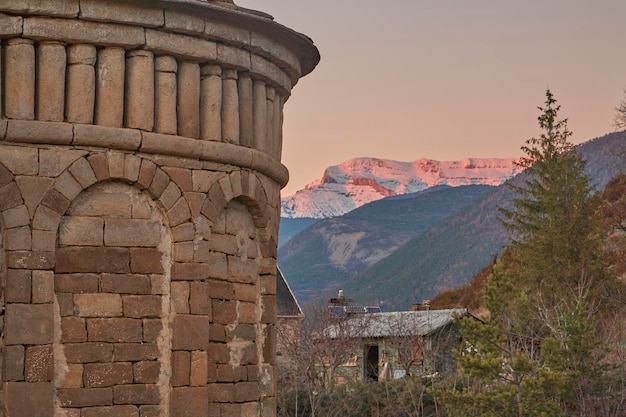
(359, 181)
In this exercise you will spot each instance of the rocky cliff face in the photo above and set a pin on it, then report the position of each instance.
(359, 181)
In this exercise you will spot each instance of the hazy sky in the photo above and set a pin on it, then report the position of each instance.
(410, 79)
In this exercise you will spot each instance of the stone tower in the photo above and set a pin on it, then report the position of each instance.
(139, 205)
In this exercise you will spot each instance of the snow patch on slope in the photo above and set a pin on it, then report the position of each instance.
(359, 181)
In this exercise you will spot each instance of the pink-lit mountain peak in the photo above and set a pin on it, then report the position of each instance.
(359, 181)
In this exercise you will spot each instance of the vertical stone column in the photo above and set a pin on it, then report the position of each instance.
(139, 112)
(81, 84)
(19, 79)
(230, 107)
(165, 68)
(278, 125)
(188, 104)
(110, 72)
(211, 103)
(51, 64)
(259, 114)
(246, 122)
(269, 126)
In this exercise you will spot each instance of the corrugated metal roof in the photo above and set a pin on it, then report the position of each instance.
(395, 324)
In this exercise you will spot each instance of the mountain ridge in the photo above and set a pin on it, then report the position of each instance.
(359, 181)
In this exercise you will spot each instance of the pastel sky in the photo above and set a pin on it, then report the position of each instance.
(445, 79)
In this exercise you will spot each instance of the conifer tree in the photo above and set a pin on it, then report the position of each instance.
(538, 354)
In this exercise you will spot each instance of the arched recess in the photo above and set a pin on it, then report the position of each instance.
(112, 273)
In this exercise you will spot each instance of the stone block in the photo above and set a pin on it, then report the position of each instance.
(183, 232)
(191, 271)
(67, 185)
(82, 171)
(98, 375)
(121, 330)
(146, 372)
(183, 22)
(180, 45)
(20, 160)
(133, 352)
(221, 290)
(132, 165)
(243, 270)
(246, 292)
(29, 324)
(181, 368)
(225, 32)
(142, 306)
(268, 309)
(102, 204)
(73, 330)
(170, 145)
(218, 353)
(183, 251)
(73, 378)
(55, 201)
(217, 333)
(151, 330)
(199, 369)
(29, 131)
(190, 332)
(66, 303)
(10, 196)
(84, 397)
(150, 411)
(159, 285)
(12, 25)
(126, 283)
(19, 399)
(221, 393)
(160, 180)
(224, 311)
(46, 219)
(190, 401)
(92, 259)
(76, 283)
(180, 176)
(139, 110)
(219, 243)
(199, 301)
(233, 56)
(81, 31)
(18, 286)
(179, 213)
(100, 166)
(195, 201)
(142, 209)
(13, 363)
(39, 364)
(146, 173)
(216, 260)
(247, 313)
(43, 287)
(16, 216)
(122, 13)
(230, 373)
(81, 231)
(66, 8)
(105, 136)
(98, 305)
(180, 297)
(44, 240)
(115, 410)
(136, 394)
(170, 195)
(88, 352)
(132, 232)
(30, 260)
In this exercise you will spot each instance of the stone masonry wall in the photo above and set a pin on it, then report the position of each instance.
(140, 186)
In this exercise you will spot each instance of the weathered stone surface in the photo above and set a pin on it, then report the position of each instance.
(76, 283)
(19, 399)
(106, 136)
(188, 99)
(199, 301)
(121, 12)
(88, 352)
(180, 45)
(136, 394)
(131, 232)
(73, 330)
(139, 111)
(16, 216)
(10, 25)
(19, 79)
(81, 84)
(98, 305)
(29, 324)
(190, 401)
(181, 368)
(142, 306)
(39, 364)
(20, 160)
(18, 286)
(83, 31)
(192, 271)
(18, 238)
(146, 261)
(199, 369)
(43, 287)
(126, 283)
(97, 375)
(92, 259)
(190, 332)
(84, 397)
(30, 260)
(146, 372)
(151, 330)
(81, 231)
(102, 204)
(180, 297)
(51, 81)
(54, 161)
(13, 363)
(110, 73)
(133, 352)
(165, 91)
(121, 330)
(182, 22)
(66, 8)
(115, 410)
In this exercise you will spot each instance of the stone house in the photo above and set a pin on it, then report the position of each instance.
(140, 177)
(394, 344)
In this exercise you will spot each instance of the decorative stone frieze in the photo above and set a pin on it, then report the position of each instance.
(140, 179)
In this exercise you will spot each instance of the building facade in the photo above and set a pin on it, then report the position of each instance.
(140, 183)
